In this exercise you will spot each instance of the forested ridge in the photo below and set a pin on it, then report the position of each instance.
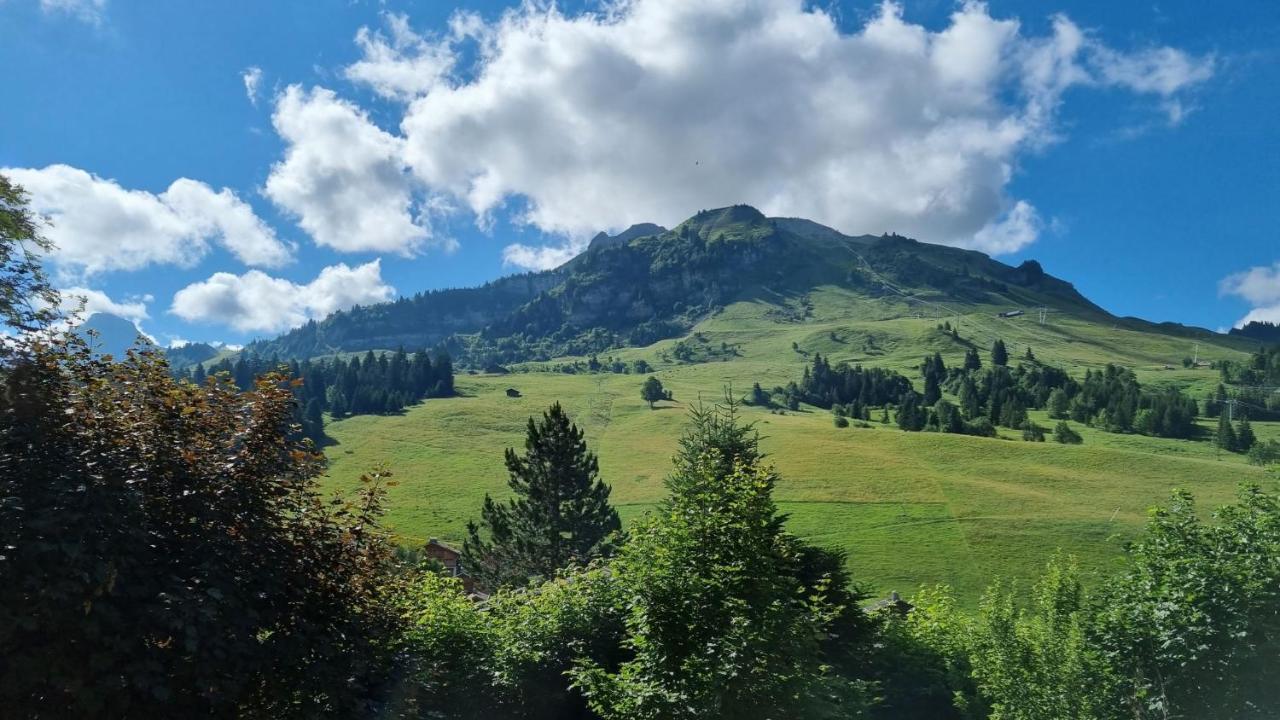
(649, 283)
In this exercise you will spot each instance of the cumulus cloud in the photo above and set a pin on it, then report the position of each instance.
(97, 225)
(257, 302)
(90, 11)
(399, 64)
(541, 257)
(652, 109)
(342, 177)
(252, 78)
(1260, 286)
(85, 302)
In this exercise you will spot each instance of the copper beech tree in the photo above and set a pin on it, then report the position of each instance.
(165, 551)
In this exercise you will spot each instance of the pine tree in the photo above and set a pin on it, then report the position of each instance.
(999, 355)
(759, 397)
(1059, 405)
(1245, 438)
(969, 402)
(971, 360)
(1225, 438)
(932, 391)
(560, 513)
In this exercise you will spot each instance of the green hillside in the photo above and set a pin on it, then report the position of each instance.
(910, 508)
(643, 286)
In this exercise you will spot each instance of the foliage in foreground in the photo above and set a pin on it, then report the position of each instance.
(1191, 628)
(166, 552)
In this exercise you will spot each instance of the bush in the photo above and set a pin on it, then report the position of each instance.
(841, 421)
(1265, 453)
(1032, 432)
(1063, 433)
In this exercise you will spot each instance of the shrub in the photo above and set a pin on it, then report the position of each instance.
(1063, 433)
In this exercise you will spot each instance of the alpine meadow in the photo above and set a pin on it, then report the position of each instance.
(640, 359)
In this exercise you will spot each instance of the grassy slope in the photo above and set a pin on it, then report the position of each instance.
(910, 508)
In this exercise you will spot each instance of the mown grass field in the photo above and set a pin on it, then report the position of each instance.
(909, 508)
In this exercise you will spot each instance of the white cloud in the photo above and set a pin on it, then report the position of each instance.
(1157, 71)
(1260, 286)
(90, 11)
(1015, 230)
(96, 301)
(650, 110)
(252, 77)
(257, 302)
(97, 225)
(402, 66)
(342, 176)
(544, 257)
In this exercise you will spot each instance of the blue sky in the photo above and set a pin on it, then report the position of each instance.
(221, 171)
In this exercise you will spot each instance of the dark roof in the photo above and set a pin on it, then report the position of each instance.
(436, 543)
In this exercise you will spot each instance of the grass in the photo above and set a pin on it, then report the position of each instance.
(909, 508)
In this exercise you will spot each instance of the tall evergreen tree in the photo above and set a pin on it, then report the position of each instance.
(999, 355)
(1245, 437)
(934, 373)
(1059, 404)
(560, 513)
(1225, 438)
(971, 360)
(726, 615)
(970, 403)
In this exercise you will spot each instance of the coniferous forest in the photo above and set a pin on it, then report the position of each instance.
(375, 384)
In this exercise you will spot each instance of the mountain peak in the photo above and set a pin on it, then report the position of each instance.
(112, 334)
(604, 239)
(731, 215)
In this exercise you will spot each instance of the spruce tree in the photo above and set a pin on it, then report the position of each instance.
(1059, 405)
(560, 513)
(932, 390)
(1225, 438)
(970, 405)
(999, 355)
(1245, 438)
(971, 360)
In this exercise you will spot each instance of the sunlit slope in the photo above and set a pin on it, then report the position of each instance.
(910, 508)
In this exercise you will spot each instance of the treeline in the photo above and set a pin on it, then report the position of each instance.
(377, 384)
(988, 397)
(854, 387)
(1267, 332)
(1255, 385)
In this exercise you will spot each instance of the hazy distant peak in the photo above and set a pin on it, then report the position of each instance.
(111, 334)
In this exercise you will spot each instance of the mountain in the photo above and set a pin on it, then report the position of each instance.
(635, 231)
(109, 334)
(185, 356)
(649, 283)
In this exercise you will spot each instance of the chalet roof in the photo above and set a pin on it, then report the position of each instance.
(433, 542)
